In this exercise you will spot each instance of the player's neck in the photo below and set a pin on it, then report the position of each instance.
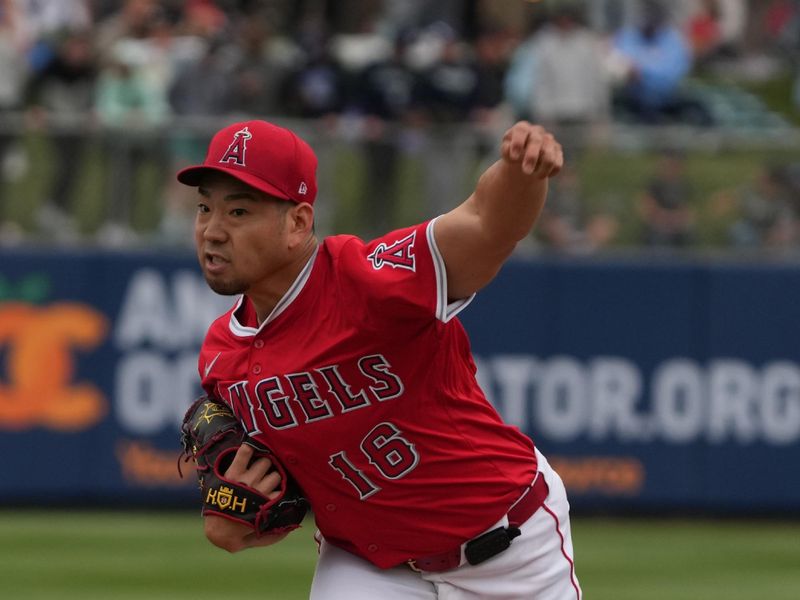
(266, 295)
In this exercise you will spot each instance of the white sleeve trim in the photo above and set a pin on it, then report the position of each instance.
(444, 310)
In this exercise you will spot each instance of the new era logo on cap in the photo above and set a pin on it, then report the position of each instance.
(267, 157)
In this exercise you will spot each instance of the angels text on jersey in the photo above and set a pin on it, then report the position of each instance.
(288, 400)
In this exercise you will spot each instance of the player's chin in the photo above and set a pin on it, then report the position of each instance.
(225, 287)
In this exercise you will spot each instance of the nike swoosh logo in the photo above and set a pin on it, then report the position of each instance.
(211, 364)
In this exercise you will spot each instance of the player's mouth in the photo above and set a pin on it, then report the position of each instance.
(215, 263)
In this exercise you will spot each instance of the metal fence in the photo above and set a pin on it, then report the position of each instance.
(625, 189)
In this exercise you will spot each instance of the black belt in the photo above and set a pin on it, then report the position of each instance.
(492, 542)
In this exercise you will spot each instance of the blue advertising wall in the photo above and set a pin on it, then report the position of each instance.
(649, 385)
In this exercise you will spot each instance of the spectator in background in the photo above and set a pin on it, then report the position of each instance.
(520, 77)
(317, 87)
(733, 18)
(572, 90)
(658, 59)
(782, 29)
(493, 47)
(448, 88)
(44, 21)
(447, 98)
(704, 31)
(608, 16)
(665, 208)
(200, 91)
(384, 94)
(13, 76)
(780, 21)
(715, 30)
(44, 18)
(201, 88)
(60, 100)
(263, 63)
(567, 224)
(132, 20)
(763, 214)
(490, 117)
(198, 26)
(131, 104)
(361, 45)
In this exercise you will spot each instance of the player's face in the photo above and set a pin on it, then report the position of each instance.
(240, 234)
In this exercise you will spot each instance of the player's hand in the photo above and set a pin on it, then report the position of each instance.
(230, 535)
(258, 474)
(234, 537)
(534, 149)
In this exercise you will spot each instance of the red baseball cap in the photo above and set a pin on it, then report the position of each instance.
(267, 157)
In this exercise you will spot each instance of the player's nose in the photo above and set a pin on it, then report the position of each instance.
(213, 229)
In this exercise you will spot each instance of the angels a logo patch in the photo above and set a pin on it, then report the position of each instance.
(400, 255)
(236, 151)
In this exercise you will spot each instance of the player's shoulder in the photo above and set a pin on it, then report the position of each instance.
(334, 245)
(339, 246)
(389, 257)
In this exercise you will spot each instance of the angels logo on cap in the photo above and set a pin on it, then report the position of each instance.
(270, 158)
(236, 151)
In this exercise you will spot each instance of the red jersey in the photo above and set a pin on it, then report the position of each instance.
(362, 382)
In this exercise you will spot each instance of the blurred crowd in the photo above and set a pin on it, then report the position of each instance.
(148, 81)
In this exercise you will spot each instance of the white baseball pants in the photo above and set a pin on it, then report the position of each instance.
(538, 565)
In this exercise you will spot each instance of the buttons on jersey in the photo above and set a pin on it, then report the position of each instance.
(330, 507)
(372, 547)
(256, 368)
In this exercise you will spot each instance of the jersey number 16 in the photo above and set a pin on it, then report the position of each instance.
(387, 450)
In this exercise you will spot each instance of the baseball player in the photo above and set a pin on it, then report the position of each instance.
(347, 359)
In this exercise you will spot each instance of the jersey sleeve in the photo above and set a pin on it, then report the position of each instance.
(400, 275)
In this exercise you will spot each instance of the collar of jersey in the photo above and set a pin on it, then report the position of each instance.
(294, 290)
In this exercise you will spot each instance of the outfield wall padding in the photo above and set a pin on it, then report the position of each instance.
(652, 384)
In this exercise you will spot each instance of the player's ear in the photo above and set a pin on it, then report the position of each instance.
(300, 222)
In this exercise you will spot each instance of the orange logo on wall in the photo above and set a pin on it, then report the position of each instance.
(38, 343)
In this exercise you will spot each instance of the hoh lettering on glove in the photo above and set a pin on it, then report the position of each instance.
(225, 499)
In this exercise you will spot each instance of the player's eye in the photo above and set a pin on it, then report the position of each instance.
(203, 208)
(238, 212)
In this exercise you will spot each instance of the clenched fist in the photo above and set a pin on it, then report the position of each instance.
(534, 149)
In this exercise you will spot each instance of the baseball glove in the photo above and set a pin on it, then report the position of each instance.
(211, 434)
